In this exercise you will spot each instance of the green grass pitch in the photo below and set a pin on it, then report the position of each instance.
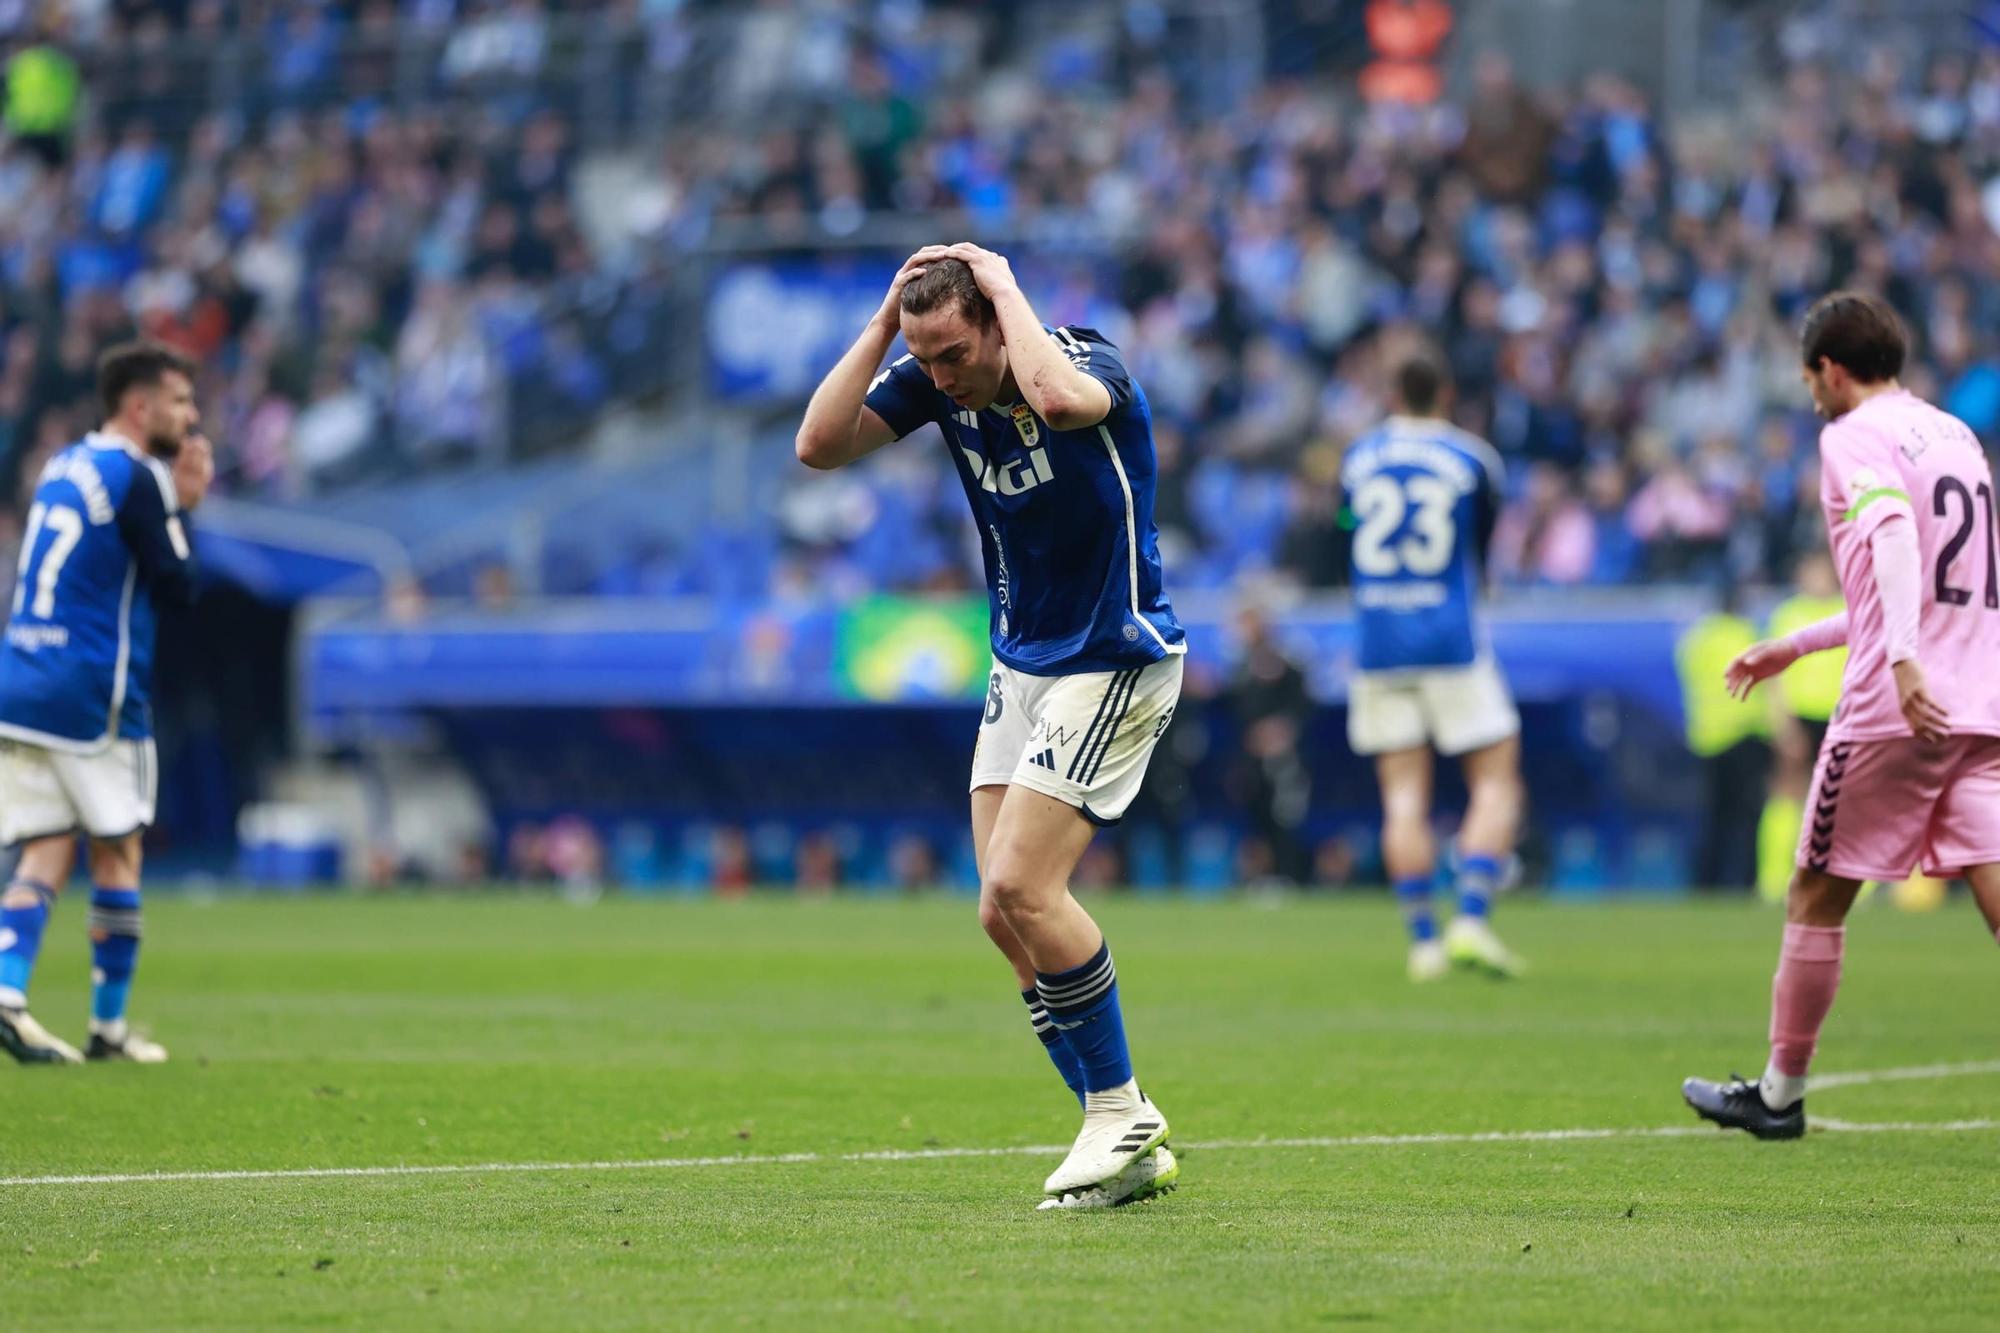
(367, 1033)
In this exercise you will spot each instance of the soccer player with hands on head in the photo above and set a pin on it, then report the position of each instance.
(1909, 774)
(1052, 441)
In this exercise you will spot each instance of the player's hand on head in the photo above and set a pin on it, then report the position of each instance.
(913, 268)
(1756, 663)
(194, 470)
(991, 271)
(1924, 713)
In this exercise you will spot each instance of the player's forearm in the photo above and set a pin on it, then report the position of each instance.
(830, 435)
(1899, 581)
(1059, 393)
(1819, 636)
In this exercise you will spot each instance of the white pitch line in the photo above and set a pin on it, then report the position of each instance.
(1860, 1076)
(1901, 1126)
(1821, 1123)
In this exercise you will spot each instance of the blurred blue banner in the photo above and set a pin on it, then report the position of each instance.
(775, 327)
(284, 556)
(609, 652)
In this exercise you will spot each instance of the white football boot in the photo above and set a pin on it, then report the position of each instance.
(114, 1041)
(1152, 1175)
(31, 1043)
(1120, 1126)
(1470, 942)
(1428, 961)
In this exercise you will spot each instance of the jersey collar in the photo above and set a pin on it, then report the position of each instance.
(111, 439)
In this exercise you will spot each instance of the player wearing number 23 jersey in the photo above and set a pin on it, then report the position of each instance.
(1422, 496)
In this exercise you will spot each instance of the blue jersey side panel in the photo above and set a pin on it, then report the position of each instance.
(1065, 517)
(103, 537)
(1421, 496)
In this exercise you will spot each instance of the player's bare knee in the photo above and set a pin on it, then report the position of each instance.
(993, 921)
(1017, 898)
(1494, 801)
(1404, 812)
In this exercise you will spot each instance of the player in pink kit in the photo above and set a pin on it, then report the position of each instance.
(1910, 771)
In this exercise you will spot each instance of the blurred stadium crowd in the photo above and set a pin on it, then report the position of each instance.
(383, 281)
(415, 240)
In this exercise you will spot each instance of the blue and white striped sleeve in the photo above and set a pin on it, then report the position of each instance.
(1093, 354)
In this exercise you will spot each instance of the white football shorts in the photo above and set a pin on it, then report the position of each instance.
(1455, 710)
(47, 792)
(1083, 739)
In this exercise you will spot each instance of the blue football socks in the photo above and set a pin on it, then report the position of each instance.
(114, 951)
(1478, 878)
(1055, 1044)
(1413, 895)
(21, 938)
(1083, 1005)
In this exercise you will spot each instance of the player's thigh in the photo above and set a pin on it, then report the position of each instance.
(1868, 810)
(47, 861)
(1469, 708)
(1036, 843)
(985, 814)
(1492, 768)
(1012, 703)
(1405, 777)
(1095, 735)
(115, 862)
(1965, 824)
(34, 804)
(112, 791)
(1385, 714)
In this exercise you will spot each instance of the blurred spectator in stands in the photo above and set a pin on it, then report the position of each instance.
(1507, 133)
(1547, 535)
(1267, 695)
(44, 89)
(913, 862)
(575, 854)
(816, 869)
(1682, 523)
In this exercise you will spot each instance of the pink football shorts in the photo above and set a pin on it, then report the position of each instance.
(1880, 808)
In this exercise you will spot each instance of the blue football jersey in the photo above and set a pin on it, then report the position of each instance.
(103, 544)
(1065, 516)
(1422, 497)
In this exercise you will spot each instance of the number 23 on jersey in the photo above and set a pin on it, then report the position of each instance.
(1385, 545)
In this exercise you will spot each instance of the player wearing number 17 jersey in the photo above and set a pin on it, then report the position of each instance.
(104, 545)
(1909, 774)
(1421, 498)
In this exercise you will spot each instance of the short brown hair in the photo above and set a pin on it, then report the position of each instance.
(1421, 378)
(136, 365)
(1857, 332)
(947, 282)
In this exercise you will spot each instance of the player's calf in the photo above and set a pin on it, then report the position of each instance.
(24, 915)
(114, 947)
